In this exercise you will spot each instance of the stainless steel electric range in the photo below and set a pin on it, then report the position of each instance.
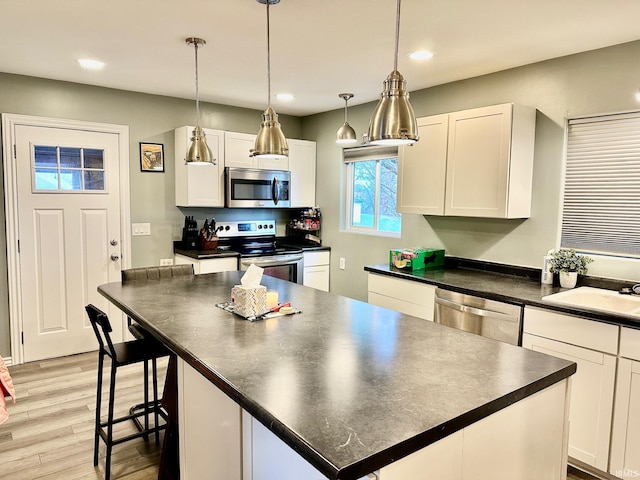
(255, 240)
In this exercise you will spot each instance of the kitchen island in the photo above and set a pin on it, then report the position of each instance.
(345, 389)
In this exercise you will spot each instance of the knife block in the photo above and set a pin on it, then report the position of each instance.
(190, 239)
(208, 244)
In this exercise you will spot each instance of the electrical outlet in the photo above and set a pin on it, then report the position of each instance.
(166, 261)
(342, 263)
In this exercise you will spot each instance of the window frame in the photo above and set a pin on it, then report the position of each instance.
(354, 155)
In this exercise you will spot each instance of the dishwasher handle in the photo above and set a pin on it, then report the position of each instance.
(476, 311)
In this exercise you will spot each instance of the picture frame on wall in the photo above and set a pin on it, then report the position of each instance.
(151, 157)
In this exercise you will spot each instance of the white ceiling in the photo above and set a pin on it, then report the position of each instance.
(319, 48)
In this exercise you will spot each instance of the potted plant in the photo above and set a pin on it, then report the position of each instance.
(569, 265)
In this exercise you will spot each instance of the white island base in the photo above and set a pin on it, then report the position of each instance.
(525, 441)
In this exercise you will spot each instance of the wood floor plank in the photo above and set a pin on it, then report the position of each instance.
(49, 434)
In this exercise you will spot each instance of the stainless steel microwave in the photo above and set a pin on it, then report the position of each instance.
(251, 188)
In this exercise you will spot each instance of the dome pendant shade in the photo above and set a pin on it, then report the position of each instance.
(270, 142)
(346, 134)
(199, 152)
(393, 121)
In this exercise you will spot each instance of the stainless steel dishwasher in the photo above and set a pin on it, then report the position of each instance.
(488, 318)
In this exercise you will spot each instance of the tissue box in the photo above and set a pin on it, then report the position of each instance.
(249, 301)
(416, 258)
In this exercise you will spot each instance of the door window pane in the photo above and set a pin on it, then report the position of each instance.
(70, 180)
(45, 156)
(93, 158)
(46, 179)
(93, 180)
(70, 157)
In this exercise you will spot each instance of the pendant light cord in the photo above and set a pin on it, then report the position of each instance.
(345, 109)
(395, 61)
(195, 44)
(268, 59)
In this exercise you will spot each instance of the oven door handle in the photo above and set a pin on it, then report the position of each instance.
(275, 190)
(271, 261)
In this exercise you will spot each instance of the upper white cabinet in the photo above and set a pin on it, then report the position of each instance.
(199, 185)
(237, 148)
(302, 164)
(489, 164)
(422, 168)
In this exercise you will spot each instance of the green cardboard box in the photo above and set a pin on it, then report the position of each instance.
(416, 258)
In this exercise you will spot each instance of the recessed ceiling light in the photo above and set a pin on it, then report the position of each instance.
(421, 55)
(638, 95)
(89, 64)
(285, 97)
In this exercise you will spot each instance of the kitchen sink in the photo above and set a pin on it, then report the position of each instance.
(599, 299)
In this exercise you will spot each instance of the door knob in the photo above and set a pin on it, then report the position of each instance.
(115, 257)
(114, 242)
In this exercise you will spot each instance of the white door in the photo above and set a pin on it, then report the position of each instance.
(68, 197)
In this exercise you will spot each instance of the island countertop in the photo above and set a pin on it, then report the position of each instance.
(350, 386)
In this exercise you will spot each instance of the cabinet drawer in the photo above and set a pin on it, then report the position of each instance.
(312, 259)
(413, 309)
(630, 343)
(571, 329)
(406, 290)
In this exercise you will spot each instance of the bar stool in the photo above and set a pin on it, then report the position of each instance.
(169, 462)
(121, 354)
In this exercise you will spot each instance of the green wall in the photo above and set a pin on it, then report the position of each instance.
(600, 81)
(151, 118)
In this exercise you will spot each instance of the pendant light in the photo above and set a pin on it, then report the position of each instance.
(198, 152)
(346, 134)
(270, 142)
(393, 121)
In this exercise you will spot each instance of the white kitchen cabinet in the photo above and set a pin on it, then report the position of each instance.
(492, 448)
(585, 342)
(210, 429)
(489, 164)
(316, 270)
(208, 265)
(302, 165)
(236, 153)
(199, 185)
(625, 436)
(422, 168)
(405, 296)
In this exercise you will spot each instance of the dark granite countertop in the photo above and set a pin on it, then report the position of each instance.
(350, 386)
(516, 285)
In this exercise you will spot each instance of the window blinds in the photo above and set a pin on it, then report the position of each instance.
(601, 211)
(360, 154)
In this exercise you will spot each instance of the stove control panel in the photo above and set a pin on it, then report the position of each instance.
(246, 228)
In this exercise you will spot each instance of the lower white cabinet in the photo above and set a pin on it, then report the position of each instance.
(625, 436)
(208, 265)
(592, 394)
(404, 296)
(220, 441)
(210, 429)
(316, 270)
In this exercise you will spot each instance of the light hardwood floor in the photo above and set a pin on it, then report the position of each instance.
(49, 434)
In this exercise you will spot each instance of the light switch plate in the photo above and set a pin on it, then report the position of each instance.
(139, 229)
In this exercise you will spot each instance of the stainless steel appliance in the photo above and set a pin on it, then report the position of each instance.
(488, 318)
(251, 188)
(255, 240)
